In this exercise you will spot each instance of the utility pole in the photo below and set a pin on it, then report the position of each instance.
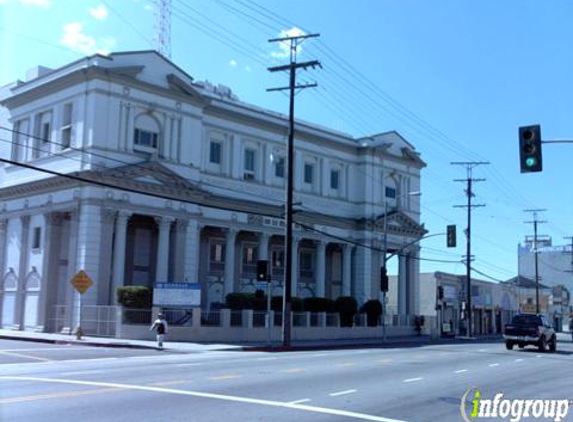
(292, 67)
(535, 223)
(470, 165)
(570, 253)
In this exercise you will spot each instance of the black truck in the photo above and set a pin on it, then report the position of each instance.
(530, 329)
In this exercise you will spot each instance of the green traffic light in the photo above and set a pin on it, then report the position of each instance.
(530, 161)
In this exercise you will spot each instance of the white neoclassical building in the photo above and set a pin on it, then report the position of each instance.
(175, 180)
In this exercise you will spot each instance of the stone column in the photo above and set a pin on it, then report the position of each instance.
(72, 269)
(295, 270)
(191, 258)
(22, 271)
(264, 239)
(414, 282)
(3, 241)
(346, 269)
(44, 294)
(161, 274)
(89, 253)
(230, 261)
(402, 289)
(119, 252)
(320, 268)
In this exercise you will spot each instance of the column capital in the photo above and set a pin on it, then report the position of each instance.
(231, 231)
(164, 221)
(25, 219)
(123, 216)
(320, 244)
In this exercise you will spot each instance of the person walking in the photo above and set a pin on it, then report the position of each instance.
(571, 326)
(160, 327)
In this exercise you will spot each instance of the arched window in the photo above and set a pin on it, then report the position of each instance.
(147, 131)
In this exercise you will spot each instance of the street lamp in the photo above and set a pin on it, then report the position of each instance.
(384, 270)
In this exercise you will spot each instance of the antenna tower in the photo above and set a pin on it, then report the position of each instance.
(163, 27)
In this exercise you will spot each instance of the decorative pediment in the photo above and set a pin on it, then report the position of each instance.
(178, 84)
(149, 177)
(397, 223)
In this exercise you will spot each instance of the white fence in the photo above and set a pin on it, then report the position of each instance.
(225, 324)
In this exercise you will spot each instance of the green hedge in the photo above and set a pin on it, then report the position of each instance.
(137, 297)
(347, 307)
(318, 304)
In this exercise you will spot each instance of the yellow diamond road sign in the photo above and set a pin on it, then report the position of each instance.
(82, 281)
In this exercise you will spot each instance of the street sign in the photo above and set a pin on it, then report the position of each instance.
(177, 295)
(81, 281)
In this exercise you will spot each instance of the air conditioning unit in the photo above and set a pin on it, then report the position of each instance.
(249, 176)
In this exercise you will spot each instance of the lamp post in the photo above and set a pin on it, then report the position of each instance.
(384, 270)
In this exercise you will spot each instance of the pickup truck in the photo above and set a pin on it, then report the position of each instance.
(530, 329)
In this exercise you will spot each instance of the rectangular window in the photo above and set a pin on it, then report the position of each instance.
(308, 173)
(145, 138)
(66, 126)
(307, 264)
(46, 132)
(249, 259)
(216, 257)
(215, 150)
(37, 238)
(390, 192)
(249, 160)
(278, 261)
(334, 179)
(249, 163)
(43, 134)
(280, 167)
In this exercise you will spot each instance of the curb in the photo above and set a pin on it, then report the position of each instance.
(79, 342)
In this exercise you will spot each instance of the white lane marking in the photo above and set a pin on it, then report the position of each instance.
(537, 356)
(342, 393)
(320, 355)
(270, 358)
(93, 371)
(315, 409)
(459, 371)
(188, 364)
(519, 360)
(482, 350)
(493, 364)
(299, 401)
(46, 349)
(26, 356)
(413, 379)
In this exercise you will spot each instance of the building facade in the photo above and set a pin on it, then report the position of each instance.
(493, 304)
(127, 168)
(554, 263)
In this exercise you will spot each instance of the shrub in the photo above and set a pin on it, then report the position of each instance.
(277, 304)
(373, 310)
(239, 301)
(137, 297)
(318, 304)
(347, 307)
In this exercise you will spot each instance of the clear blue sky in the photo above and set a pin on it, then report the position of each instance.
(455, 78)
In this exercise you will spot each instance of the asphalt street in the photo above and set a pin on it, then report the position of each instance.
(40, 382)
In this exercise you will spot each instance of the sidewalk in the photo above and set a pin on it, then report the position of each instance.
(189, 347)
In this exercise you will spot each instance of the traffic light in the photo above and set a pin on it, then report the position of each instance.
(451, 234)
(440, 292)
(262, 268)
(383, 279)
(530, 149)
